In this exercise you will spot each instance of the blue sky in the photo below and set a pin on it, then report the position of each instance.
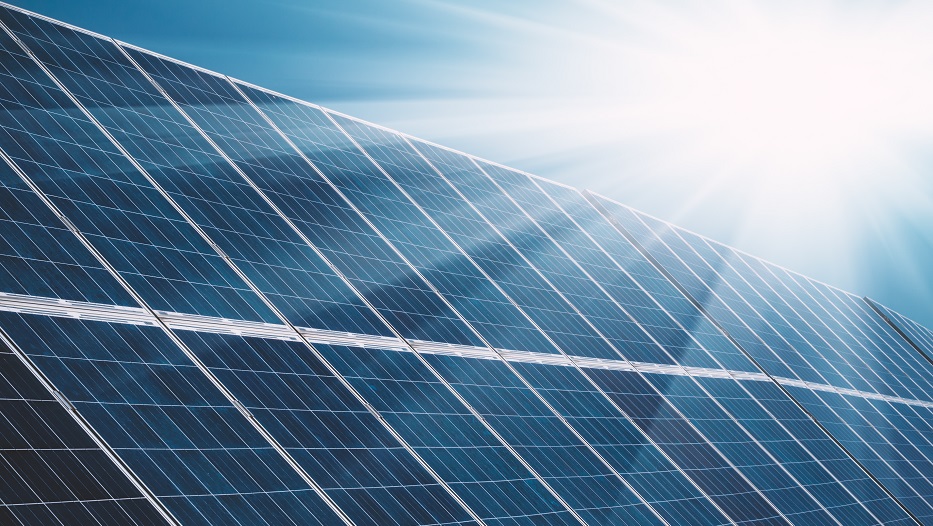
(797, 131)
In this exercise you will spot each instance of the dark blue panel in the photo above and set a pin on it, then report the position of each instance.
(868, 342)
(849, 421)
(626, 256)
(822, 354)
(539, 437)
(808, 355)
(677, 342)
(165, 419)
(655, 415)
(649, 472)
(436, 256)
(51, 472)
(203, 183)
(841, 420)
(107, 199)
(453, 442)
(326, 430)
(756, 338)
(306, 199)
(40, 257)
(804, 450)
(918, 335)
(500, 260)
(801, 490)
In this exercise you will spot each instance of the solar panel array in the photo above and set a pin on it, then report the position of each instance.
(222, 305)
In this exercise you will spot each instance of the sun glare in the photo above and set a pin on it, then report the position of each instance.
(801, 113)
(796, 99)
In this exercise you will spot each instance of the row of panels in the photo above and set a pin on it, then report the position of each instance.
(135, 181)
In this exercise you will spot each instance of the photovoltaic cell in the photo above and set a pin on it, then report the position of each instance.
(687, 447)
(40, 257)
(328, 432)
(538, 436)
(496, 257)
(108, 199)
(199, 179)
(568, 360)
(186, 442)
(441, 429)
(918, 335)
(873, 451)
(787, 492)
(864, 350)
(659, 292)
(629, 452)
(436, 256)
(678, 346)
(51, 471)
(307, 200)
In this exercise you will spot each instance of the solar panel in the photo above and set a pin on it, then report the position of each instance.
(223, 305)
(187, 442)
(53, 471)
(880, 457)
(920, 337)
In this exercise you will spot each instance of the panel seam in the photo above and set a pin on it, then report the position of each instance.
(602, 210)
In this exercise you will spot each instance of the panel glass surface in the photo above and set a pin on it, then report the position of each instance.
(448, 437)
(435, 255)
(751, 337)
(305, 198)
(326, 430)
(51, 472)
(176, 431)
(274, 257)
(801, 489)
(39, 256)
(688, 449)
(679, 345)
(920, 336)
(499, 259)
(658, 287)
(621, 444)
(866, 340)
(539, 437)
(857, 349)
(109, 200)
(874, 451)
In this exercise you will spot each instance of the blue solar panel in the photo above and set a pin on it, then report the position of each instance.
(453, 442)
(40, 257)
(52, 472)
(920, 337)
(202, 182)
(185, 441)
(328, 432)
(221, 305)
(390, 201)
(879, 456)
(103, 194)
(317, 210)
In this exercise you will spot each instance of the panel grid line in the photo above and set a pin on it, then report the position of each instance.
(494, 349)
(410, 344)
(593, 200)
(197, 362)
(575, 361)
(625, 311)
(732, 374)
(91, 432)
(884, 316)
(302, 334)
(586, 320)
